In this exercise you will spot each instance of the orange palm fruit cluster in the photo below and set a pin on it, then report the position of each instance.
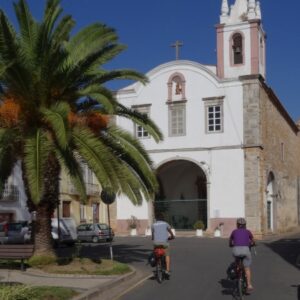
(94, 120)
(97, 121)
(9, 112)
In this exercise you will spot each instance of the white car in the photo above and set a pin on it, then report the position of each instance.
(68, 234)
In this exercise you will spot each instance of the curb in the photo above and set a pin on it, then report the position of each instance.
(97, 291)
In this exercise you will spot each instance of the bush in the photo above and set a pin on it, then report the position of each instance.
(24, 292)
(38, 261)
(16, 292)
(199, 225)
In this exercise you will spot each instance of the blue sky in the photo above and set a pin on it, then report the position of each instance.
(148, 28)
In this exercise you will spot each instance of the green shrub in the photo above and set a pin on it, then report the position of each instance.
(22, 292)
(38, 261)
(199, 225)
(16, 292)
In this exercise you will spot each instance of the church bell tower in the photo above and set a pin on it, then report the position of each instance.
(241, 41)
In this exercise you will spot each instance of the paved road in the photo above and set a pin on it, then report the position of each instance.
(199, 264)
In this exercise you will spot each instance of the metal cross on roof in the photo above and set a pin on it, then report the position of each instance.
(176, 45)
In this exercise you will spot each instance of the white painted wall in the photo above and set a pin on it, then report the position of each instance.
(125, 209)
(18, 207)
(221, 152)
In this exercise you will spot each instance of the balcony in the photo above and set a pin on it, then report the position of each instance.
(91, 189)
(10, 193)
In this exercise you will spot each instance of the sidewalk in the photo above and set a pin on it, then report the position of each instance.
(89, 286)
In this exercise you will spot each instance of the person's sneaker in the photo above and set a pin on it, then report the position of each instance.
(168, 274)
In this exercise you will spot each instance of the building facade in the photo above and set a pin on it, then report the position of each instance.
(230, 148)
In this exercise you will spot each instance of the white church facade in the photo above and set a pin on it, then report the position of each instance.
(230, 149)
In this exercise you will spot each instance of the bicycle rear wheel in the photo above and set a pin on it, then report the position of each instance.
(159, 271)
(237, 293)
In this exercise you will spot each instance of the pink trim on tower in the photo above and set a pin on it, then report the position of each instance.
(220, 51)
(254, 47)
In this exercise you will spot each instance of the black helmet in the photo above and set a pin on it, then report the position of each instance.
(241, 221)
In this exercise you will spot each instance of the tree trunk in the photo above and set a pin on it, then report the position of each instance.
(45, 209)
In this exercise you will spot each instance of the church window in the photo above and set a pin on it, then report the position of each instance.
(139, 130)
(237, 48)
(214, 114)
(177, 120)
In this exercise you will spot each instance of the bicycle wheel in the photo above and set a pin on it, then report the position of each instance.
(240, 289)
(159, 271)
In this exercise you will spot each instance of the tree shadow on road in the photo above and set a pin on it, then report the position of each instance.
(288, 249)
(121, 252)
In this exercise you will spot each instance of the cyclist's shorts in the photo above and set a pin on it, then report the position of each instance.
(165, 246)
(243, 251)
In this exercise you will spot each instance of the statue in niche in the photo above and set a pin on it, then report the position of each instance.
(178, 88)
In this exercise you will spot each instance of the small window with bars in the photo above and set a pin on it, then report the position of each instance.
(214, 118)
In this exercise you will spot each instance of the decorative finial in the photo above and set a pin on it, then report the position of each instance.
(251, 9)
(258, 10)
(224, 11)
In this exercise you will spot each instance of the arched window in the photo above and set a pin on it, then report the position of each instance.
(237, 49)
(176, 102)
(176, 87)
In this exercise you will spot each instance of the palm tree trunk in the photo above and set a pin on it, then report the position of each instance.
(45, 209)
(42, 232)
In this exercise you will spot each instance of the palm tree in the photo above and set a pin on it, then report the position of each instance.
(56, 111)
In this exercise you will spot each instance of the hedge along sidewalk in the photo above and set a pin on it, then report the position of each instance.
(85, 284)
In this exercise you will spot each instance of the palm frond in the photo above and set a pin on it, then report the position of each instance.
(72, 168)
(36, 151)
(140, 119)
(90, 40)
(28, 30)
(132, 153)
(120, 74)
(57, 117)
(95, 154)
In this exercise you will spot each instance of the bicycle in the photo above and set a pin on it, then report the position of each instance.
(240, 281)
(160, 261)
(239, 276)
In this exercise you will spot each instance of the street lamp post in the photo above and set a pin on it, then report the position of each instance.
(108, 198)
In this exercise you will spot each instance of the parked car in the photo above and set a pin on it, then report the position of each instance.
(20, 232)
(14, 232)
(94, 232)
(68, 233)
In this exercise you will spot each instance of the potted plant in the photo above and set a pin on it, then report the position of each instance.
(148, 231)
(217, 232)
(132, 225)
(199, 226)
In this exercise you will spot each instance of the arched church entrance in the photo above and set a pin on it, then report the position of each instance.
(182, 196)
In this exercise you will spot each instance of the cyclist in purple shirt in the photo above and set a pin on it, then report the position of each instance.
(241, 239)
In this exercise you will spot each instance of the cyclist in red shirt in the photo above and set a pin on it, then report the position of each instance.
(241, 240)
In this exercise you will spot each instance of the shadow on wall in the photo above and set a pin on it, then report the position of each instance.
(288, 249)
